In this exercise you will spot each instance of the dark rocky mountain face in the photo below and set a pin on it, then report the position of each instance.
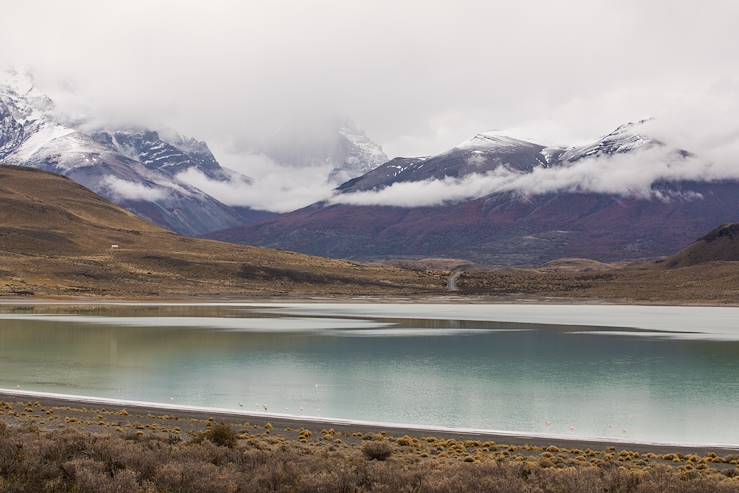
(11, 132)
(168, 157)
(505, 228)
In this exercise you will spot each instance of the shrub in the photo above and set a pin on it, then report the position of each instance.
(379, 450)
(405, 441)
(222, 435)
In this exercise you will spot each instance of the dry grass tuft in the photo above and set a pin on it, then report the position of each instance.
(379, 450)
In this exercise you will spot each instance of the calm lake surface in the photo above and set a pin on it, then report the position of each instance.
(632, 373)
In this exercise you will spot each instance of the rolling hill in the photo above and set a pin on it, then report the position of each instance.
(720, 245)
(58, 238)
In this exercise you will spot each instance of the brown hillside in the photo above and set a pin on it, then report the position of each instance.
(706, 272)
(721, 244)
(56, 238)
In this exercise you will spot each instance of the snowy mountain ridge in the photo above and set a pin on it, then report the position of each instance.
(133, 168)
(488, 151)
(626, 138)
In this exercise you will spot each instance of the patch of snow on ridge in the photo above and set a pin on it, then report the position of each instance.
(477, 158)
(626, 138)
(42, 138)
(492, 140)
(552, 154)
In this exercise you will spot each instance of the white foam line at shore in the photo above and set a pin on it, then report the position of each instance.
(352, 422)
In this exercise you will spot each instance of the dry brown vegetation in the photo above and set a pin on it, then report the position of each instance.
(72, 461)
(56, 238)
(647, 282)
(62, 449)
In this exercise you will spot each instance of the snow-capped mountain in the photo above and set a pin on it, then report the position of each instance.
(628, 137)
(508, 227)
(483, 152)
(133, 168)
(355, 154)
(488, 151)
(169, 156)
(25, 124)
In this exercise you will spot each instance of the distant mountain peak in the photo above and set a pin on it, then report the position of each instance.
(632, 126)
(171, 155)
(493, 139)
(21, 98)
(356, 154)
(20, 84)
(628, 137)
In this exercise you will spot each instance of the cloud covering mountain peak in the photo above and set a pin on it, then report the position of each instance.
(628, 162)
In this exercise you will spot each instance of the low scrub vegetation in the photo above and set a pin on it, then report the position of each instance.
(220, 434)
(377, 450)
(215, 461)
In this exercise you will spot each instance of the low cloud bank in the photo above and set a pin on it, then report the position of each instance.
(628, 175)
(128, 190)
(273, 187)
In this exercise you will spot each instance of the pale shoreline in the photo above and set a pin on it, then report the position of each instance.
(318, 423)
(685, 321)
(422, 299)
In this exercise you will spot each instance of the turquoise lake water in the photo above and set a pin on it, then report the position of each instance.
(610, 372)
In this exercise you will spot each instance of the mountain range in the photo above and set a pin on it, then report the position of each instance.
(506, 227)
(141, 170)
(138, 168)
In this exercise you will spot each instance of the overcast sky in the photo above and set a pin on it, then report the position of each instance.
(418, 76)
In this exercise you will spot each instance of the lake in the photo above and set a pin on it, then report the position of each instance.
(656, 374)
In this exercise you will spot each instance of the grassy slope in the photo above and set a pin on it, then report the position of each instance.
(56, 237)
